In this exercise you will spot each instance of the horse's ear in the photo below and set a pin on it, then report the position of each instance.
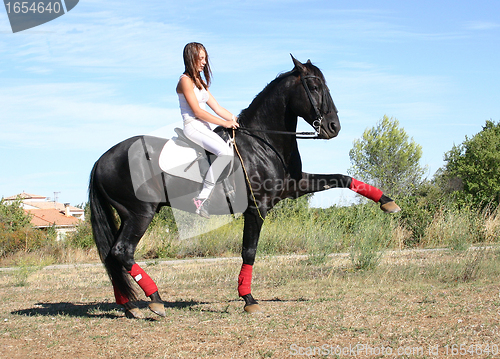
(298, 65)
(309, 61)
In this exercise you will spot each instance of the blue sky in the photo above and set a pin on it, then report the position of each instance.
(72, 88)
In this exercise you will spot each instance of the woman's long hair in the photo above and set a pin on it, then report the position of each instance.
(191, 57)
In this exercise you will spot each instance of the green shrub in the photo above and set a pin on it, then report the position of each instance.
(27, 239)
(82, 237)
(17, 233)
(369, 242)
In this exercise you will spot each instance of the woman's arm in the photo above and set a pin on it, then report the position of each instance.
(185, 86)
(219, 110)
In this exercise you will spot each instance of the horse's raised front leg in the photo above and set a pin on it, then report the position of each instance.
(311, 183)
(251, 233)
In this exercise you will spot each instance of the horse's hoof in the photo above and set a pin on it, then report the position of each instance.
(157, 308)
(390, 207)
(134, 313)
(253, 309)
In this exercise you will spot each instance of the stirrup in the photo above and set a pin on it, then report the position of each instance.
(201, 207)
(229, 190)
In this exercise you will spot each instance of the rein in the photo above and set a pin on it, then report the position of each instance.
(246, 174)
(300, 135)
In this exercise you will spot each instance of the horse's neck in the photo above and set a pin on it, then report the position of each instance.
(269, 111)
(283, 146)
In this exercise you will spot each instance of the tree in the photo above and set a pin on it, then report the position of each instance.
(12, 216)
(16, 231)
(387, 158)
(472, 169)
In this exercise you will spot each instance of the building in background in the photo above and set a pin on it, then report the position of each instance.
(49, 214)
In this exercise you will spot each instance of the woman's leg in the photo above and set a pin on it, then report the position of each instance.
(201, 134)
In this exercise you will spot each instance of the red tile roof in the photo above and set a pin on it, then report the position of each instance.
(51, 217)
(52, 205)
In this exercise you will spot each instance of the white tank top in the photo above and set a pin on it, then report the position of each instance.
(186, 112)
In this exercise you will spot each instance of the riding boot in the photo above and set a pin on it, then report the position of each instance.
(202, 207)
(202, 201)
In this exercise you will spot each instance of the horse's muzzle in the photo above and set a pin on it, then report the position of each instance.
(329, 130)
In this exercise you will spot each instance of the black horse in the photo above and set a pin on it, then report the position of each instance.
(268, 149)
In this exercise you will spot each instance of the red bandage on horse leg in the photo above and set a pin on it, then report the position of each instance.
(245, 280)
(144, 281)
(366, 190)
(120, 298)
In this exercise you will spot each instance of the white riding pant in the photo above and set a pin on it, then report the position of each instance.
(200, 133)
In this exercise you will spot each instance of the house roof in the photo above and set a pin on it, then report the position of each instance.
(51, 217)
(52, 205)
(25, 195)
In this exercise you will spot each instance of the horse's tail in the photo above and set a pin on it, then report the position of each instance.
(104, 228)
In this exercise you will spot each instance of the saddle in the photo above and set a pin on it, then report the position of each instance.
(183, 158)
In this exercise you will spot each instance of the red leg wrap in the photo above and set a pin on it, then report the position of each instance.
(366, 190)
(120, 298)
(245, 280)
(144, 280)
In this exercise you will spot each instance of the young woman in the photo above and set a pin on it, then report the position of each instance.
(193, 98)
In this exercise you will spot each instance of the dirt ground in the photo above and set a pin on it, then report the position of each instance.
(313, 308)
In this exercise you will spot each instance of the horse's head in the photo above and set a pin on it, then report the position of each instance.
(312, 100)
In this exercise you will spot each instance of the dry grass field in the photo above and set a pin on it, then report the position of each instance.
(414, 304)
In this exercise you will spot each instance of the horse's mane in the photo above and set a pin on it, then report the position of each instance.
(263, 100)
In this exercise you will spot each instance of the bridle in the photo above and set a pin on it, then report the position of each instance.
(318, 120)
(302, 135)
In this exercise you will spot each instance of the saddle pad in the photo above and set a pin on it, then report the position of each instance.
(181, 161)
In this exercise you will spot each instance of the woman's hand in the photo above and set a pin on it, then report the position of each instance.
(231, 124)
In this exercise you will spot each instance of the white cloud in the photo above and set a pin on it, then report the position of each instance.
(481, 25)
(79, 115)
